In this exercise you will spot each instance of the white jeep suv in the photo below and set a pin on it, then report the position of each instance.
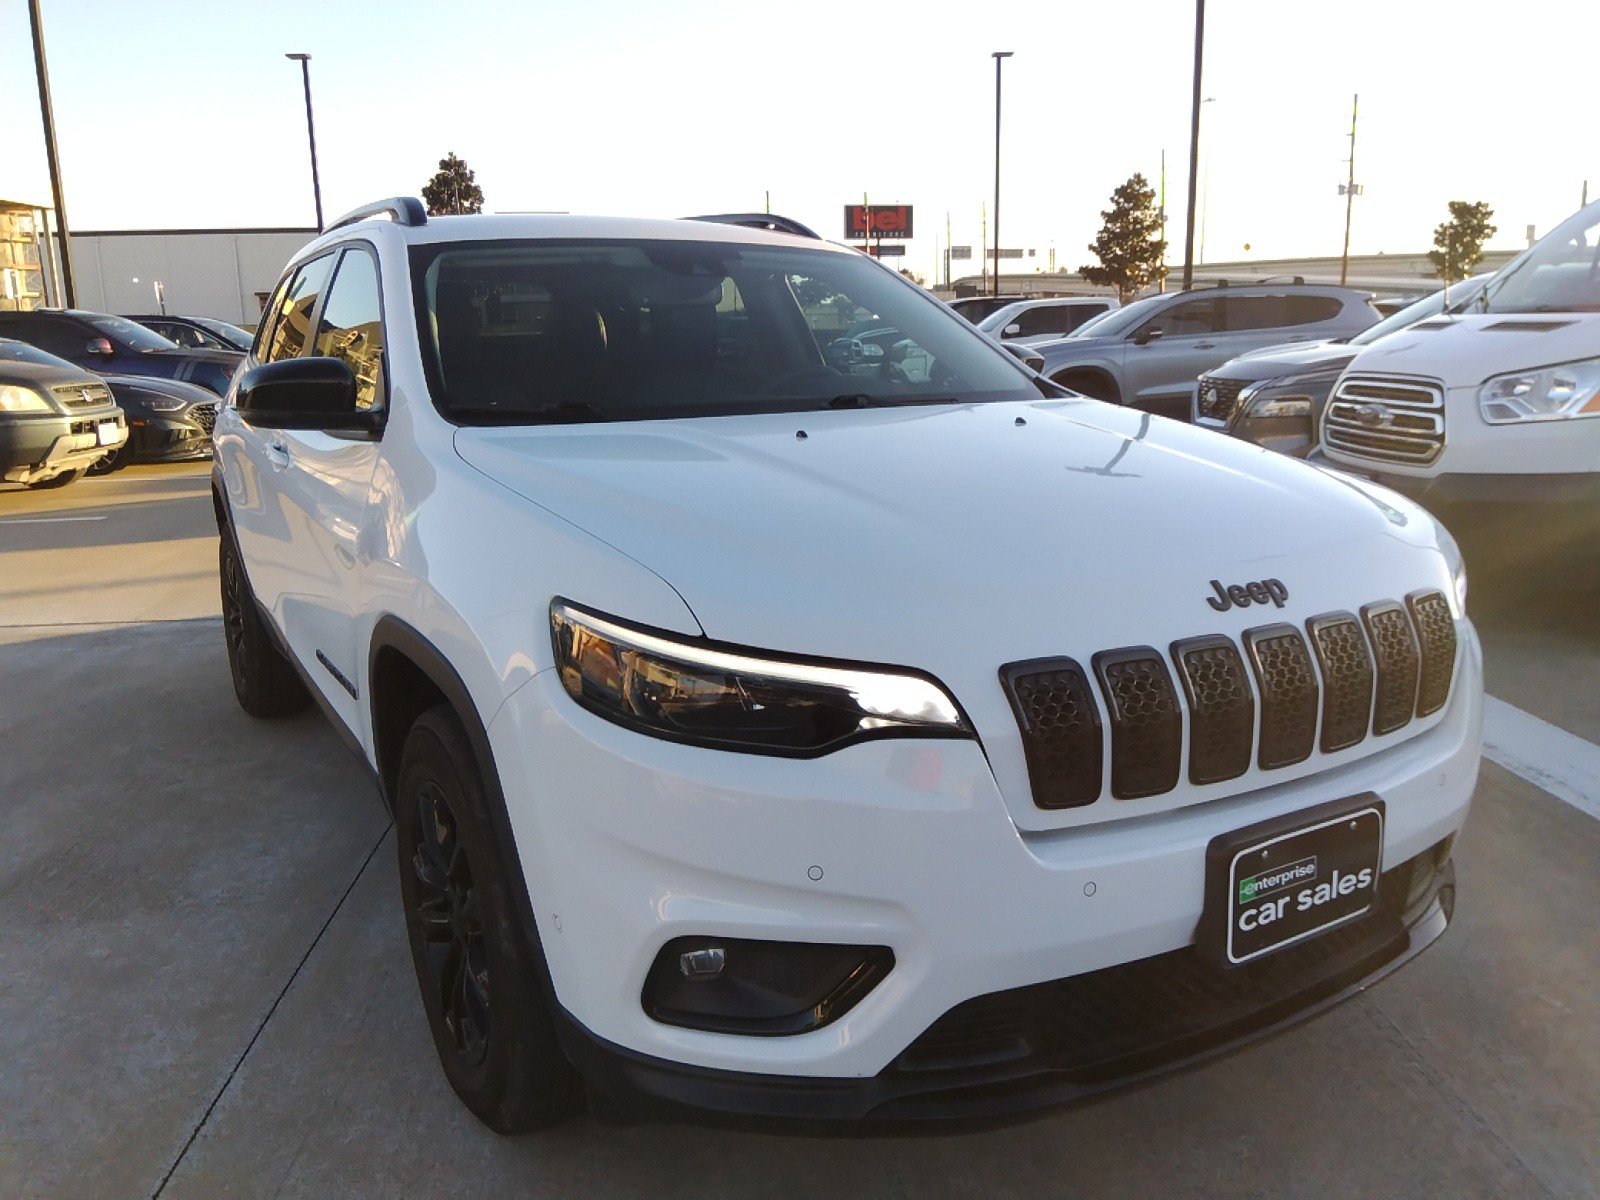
(778, 730)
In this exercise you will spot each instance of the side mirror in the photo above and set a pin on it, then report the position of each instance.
(99, 347)
(1011, 330)
(1028, 356)
(1145, 336)
(303, 393)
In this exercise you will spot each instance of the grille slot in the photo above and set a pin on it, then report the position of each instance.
(1436, 635)
(1146, 728)
(1222, 708)
(1394, 647)
(1393, 420)
(82, 395)
(1346, 665)
(204, 415)
(1061, 734)
(1288, 694)
(1220, 409)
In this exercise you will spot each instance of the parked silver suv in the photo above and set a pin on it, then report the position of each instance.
(1148, 354)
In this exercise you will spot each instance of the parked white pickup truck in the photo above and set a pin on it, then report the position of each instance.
(1501, 403)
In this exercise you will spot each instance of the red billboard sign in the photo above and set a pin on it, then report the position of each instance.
(885, 221)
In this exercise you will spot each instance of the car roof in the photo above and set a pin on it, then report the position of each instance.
(482, 227)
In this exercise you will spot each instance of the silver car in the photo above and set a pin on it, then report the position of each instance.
(1149, 353)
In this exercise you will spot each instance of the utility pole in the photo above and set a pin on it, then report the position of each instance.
(1162, 285)
(47, 113)
(1194, 144)
(999, 56)
(1349, 193)
(983, 242)
(947, 250)
(311, 134)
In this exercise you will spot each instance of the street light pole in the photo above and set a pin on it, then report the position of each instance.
(311, 132)
(51, 157)
(1194, 144)
(999, 56)
(1349, 194)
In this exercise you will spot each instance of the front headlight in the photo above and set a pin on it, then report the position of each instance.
(1288, 396)
(1544, 394)
(734, 700)
(16, 399)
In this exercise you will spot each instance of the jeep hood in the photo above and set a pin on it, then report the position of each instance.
(1463, 351)
(944, 536)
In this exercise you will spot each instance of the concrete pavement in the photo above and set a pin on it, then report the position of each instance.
(205, 990)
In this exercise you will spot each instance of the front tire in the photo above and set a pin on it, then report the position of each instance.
(56, 481)
(479, 976)
(263, 680)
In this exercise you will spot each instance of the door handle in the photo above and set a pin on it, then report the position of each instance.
(278, 455)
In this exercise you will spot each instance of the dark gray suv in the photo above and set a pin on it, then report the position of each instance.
(1148, 354)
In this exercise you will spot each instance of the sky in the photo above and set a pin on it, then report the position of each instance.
(185, 114)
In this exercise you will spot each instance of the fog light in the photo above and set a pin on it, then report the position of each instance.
(738, 985)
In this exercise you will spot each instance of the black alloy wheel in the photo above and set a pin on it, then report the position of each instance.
(263, 680)
(445, 905)
(479, 965)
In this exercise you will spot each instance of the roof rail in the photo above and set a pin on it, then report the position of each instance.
(406, 210)
(768, 221)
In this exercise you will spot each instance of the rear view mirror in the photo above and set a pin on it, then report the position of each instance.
(1145, 336)
(1011, 330)
(304, 393)
(100, 347)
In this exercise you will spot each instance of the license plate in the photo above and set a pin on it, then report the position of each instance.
(107, 432)
(1279, 883)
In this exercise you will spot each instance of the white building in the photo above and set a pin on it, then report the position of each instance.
(222, 273)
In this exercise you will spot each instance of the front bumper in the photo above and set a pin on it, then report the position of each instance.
(157, 438)
(628, 842)
(40, 448)
(1010, 1054)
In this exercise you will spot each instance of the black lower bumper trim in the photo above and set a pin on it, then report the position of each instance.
(627, 1085)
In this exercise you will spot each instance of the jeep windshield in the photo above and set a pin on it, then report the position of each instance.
(525, 332)
(1560, 274)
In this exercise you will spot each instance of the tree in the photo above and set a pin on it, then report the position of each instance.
(914, 277)
(1130, 248)
(1460, 240)
(453, 189)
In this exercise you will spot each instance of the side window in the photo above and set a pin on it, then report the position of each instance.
(1188, 318)
(1257, 312)
(1047, 318)
(351, 325)
(1310, 310)
(291, 324)
(65, 339)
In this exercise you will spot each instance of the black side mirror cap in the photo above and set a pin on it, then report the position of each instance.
(1145, 336)
(304, 393)
(1029, 357)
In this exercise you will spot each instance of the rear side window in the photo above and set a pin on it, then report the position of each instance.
(351, 325)
(291, 324)
(1309, 310)
(1257, 312)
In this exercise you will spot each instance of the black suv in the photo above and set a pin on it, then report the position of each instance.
(111, 345)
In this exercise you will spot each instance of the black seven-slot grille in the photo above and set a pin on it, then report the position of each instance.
(1370, 675)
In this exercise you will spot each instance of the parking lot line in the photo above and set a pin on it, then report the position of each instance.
(46, 520)
(1547, 756)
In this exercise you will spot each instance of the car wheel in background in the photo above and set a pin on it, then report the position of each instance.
(263, 680)
(491, 1023)
(114, 461)
(56, 481)
(1090, 383)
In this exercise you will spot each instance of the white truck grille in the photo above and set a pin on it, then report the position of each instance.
(1386, 418)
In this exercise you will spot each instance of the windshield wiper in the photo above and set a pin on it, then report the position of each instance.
(565, 410)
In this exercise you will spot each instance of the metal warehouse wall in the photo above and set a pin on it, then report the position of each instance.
(222, 273)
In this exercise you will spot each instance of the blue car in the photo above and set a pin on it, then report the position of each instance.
(109, 345)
